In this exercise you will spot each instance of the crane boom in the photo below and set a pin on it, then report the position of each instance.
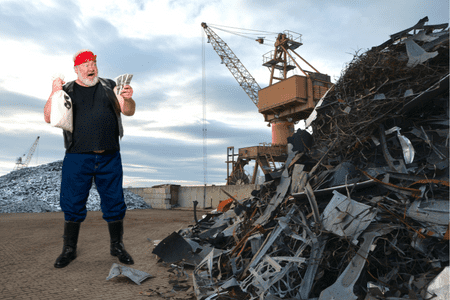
(242, 75)
(23, 164)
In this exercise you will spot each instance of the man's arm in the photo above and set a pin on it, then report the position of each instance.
(127, 104)
(56, 86)
(48, 109)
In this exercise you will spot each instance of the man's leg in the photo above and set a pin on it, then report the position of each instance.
(69, 252)
(75, 185)
(109, 180)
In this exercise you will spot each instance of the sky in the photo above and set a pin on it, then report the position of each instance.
(160, 43)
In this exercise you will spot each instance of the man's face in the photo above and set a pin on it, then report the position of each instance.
(87, 73)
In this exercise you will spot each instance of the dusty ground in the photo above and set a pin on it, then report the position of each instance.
(31, 242)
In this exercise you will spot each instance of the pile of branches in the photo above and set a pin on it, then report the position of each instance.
(372, 89)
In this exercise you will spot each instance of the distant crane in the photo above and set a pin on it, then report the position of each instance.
(20, 163)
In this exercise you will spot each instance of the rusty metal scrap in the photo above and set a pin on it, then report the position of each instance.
(343, 287)
(361, 214)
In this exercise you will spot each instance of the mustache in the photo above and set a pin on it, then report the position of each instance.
(88, 81)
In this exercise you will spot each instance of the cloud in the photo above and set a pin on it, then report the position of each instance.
(160, 43)
(49, 23)
(141, 20)
(29, 69)
(23, 114)
(133, 168)
(146, 182)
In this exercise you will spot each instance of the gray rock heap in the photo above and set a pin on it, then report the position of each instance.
(36, 189)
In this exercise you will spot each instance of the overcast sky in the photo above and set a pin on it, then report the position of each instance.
(160, 43)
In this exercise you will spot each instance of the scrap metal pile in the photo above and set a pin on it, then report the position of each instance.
(361, 212)
(37, 189)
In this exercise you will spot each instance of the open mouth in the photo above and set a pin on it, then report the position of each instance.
(91, 75)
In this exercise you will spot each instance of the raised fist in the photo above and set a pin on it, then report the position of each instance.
(57, 85)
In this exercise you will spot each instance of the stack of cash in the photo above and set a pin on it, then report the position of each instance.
(122, 81)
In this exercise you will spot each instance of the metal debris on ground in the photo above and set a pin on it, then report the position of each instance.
(181, 287)
(135, 275)
(364, 212)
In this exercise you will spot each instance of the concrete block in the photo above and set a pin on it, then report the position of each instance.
(157, 196)
(158, 203)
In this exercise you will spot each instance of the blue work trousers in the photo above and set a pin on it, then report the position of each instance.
(77, 173)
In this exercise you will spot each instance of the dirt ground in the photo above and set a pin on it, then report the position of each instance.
(31, 242)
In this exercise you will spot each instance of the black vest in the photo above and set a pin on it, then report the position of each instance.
(107, 85)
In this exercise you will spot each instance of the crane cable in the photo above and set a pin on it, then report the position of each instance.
(204, 129)
(243, 34)
(262, 31)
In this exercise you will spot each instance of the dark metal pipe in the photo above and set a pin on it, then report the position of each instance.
(195, 211)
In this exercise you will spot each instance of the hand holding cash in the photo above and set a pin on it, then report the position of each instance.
(127, 92)
(123, 93)
(123, 87)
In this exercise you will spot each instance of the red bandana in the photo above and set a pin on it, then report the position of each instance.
(84, 57)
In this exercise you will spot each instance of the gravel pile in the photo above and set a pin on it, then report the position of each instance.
(36, 189)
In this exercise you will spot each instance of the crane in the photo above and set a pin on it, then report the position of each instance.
(290, 99)
(20, 164)
(282, 103)
(242, 75)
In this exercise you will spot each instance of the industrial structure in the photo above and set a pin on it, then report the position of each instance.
(283, 103)
(23, 163)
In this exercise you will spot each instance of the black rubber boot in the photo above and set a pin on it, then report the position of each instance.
(69, 252)
(117, 247)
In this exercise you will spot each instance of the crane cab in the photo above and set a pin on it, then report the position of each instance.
(291, 100)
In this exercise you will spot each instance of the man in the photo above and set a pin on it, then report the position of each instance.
(92, 152)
